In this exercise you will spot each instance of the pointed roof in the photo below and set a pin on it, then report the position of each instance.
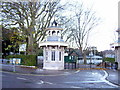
(54, 23)
(54, 26)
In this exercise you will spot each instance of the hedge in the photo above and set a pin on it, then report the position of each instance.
(28, 60)
(112, 60)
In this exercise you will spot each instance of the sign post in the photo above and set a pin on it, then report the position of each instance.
(14, 62)
(14, 68)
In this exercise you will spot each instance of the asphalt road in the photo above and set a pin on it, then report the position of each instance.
(79, 79)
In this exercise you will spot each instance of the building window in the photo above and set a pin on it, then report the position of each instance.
(58, 32)
(59, 56)
(53, 55)
(119, 40)
(49, 33)
(46, 56)
(53, 32)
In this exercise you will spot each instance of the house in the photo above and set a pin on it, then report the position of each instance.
(117, 47)
(94, 59)
(109, 54)
(90, 59)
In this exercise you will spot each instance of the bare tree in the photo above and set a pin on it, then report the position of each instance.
(31, 17)
(83, 22)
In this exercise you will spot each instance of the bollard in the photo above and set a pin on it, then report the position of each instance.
(14, 64)
(116, 65)
(75, 65)
(14, 68)
(105, 64)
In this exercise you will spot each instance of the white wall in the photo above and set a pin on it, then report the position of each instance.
(118, 57)
(88, 61)
(53, 65)
(110, 55)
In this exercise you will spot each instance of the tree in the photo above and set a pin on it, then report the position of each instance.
(83, 22)
(11, 40)
(31, 17)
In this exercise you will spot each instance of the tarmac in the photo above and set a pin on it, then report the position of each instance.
(113, 75)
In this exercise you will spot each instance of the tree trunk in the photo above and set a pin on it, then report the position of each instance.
(30, 47)
(83, 54)
(84, 57)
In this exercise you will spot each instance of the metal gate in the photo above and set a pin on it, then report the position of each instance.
(70, 62)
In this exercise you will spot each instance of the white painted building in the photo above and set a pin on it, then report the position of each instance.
(117, 47)
(109, 53)
(110, 56)
(117, 50)
(94, 59)
(53, 49)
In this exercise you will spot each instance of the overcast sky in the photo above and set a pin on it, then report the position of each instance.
(107, 10)
(104, 34)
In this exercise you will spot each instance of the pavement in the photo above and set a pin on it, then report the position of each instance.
(35, 71)
(113, 75)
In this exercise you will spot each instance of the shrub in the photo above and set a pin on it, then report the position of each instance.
(29, 60)
(112, 60)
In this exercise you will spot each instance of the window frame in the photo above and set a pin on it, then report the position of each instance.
(60, 56)
(53, 55)
(46, 55)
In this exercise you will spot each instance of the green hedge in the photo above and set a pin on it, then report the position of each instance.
(112, 60)
(29, 60)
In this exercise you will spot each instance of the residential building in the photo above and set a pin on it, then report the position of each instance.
(95, 59)
(109, 54)
(117, 47)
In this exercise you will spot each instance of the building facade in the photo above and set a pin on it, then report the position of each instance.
(117, 47)
(109, 53)
(53, 48)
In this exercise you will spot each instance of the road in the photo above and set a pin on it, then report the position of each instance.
(78, 79)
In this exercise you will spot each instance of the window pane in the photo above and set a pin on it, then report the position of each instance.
(53, 55)
(46, 55)
(59, 56)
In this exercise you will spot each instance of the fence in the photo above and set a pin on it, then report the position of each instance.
(71, 62)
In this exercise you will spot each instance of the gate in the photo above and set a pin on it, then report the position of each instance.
(70, 62)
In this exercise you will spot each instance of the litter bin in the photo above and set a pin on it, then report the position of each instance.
(116, 65)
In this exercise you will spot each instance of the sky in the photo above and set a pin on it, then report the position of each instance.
(105, 33)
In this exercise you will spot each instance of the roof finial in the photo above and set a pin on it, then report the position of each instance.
(54, 22)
